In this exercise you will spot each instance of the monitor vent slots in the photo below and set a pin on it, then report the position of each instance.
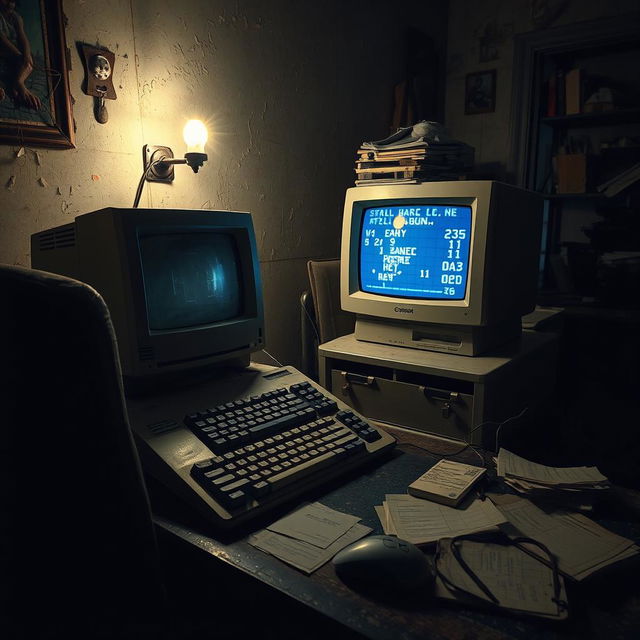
(57, 238)
(145, 353)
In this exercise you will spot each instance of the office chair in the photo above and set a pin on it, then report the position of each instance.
(322, 316)
(80, 549)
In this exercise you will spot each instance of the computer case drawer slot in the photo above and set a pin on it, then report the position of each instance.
(446, 413)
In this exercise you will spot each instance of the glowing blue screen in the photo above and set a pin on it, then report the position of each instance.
(416, 251)
(190, 279)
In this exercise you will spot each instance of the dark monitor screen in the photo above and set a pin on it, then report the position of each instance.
(415, 251)
(190, 279)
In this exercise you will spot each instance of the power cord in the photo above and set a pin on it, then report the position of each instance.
(469, 445)
(312, 321)
(273, 358)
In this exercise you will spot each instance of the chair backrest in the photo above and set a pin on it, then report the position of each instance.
(73, 503)
(331, 320)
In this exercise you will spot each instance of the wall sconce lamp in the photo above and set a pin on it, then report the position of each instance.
(159, 161)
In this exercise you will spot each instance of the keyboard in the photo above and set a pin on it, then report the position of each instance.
(238, 447)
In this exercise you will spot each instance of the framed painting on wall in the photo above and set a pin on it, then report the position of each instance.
(480, 92)
(35, 102)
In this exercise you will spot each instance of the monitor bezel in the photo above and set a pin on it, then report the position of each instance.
(467, 311)
(176, 349)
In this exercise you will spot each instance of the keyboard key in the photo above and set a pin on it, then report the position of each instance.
(200, 468)
(369, 434)
(214, 473)
(238, 484)
(234, 500)
(259, 489)
(297, 472)
(222, 480)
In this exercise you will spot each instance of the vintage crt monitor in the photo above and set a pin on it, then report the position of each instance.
(441, 266)
(184, 292)
(183, 286)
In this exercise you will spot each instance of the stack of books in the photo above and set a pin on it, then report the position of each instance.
(421, 153)
(577, 486)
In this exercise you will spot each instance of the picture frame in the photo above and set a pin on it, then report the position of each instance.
(480, 92)
(36, 110)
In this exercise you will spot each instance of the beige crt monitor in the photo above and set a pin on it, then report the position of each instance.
(441, 266)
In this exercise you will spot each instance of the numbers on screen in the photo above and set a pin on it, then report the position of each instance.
(455, 234)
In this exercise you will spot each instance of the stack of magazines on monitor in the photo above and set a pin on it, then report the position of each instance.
(423, 152)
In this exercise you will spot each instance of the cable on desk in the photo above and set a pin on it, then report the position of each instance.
(503, 540)
(447, 455)
(469, 445)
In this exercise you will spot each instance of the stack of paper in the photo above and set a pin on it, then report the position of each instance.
(310, 536)
(447, 482)
(580, 546)
(531, 478)
(422, 521)
(423, 152)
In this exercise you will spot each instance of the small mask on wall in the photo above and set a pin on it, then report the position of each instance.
(98, 82)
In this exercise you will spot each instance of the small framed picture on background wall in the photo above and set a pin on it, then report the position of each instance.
(480, 92)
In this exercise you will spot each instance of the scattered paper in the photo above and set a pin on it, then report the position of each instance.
(42, 182)
(38, 158)
(580, 545)
(422, 521)
(315, 524)
(302, 555)
(20, 152)
(510, 464)
(518, 581)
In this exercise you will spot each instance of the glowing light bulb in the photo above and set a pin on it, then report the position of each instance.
(195, 135)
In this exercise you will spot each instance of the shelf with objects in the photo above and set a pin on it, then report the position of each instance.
(577, 135)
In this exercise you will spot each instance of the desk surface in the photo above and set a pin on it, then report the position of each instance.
(597, 611)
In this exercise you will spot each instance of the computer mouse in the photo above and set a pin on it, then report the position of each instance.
(384, 564)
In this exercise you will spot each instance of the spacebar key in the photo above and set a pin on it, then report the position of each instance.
(295, 473)
(279, 424)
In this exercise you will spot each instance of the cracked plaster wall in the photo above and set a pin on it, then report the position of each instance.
(289, 90)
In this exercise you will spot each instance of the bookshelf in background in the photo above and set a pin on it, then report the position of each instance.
(585, 158)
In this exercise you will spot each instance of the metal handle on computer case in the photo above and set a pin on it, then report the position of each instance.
(355, 378)
(448, 397)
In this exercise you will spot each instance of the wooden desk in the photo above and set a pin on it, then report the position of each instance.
(596, 611)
